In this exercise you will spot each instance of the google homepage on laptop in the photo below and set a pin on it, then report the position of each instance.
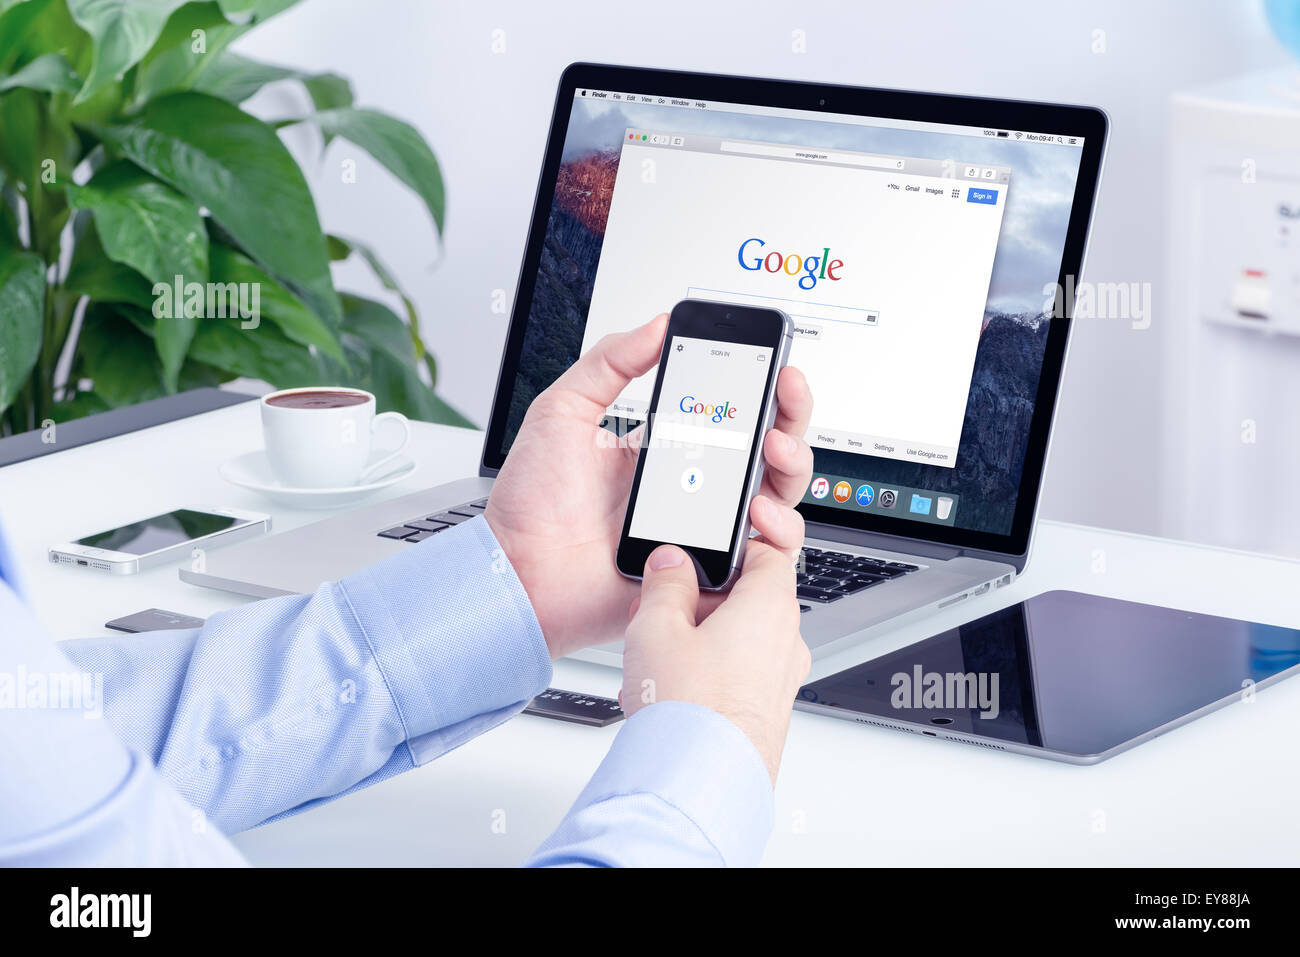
(914, 258)
(883, 263)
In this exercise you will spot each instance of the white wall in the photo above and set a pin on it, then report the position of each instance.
(486, 115)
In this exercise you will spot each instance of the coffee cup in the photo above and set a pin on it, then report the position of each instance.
(321, 436)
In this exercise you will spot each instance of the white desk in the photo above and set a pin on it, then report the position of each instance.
(1221, 790)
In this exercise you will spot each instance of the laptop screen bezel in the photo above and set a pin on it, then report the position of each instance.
(1086, 122)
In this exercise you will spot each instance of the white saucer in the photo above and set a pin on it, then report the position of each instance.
(253, 471)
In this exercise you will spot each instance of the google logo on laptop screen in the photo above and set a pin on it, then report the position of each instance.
(752, 259)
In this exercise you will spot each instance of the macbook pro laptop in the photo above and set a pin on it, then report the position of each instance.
(917, 240)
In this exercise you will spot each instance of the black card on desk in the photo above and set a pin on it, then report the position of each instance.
(576, 707)
(153, 619)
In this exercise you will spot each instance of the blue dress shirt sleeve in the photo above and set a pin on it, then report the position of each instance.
(265, 710)
(70, 792)
(681, 787)
(285, 703)
(281, 704)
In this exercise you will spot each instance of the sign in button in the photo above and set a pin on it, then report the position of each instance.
(988, 197)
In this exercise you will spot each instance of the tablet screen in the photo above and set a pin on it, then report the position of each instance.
(1066, 672)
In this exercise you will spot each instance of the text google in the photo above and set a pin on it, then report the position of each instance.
(812, 267)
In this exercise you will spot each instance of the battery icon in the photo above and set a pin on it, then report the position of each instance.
(1003, 134)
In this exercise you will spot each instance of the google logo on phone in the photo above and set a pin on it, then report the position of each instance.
(813, 268)
(718, 413)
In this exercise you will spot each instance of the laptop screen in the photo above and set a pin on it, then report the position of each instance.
(918, 261)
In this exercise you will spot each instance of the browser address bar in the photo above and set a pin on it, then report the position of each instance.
(800, 152)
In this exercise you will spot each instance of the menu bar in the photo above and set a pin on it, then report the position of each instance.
(784, 152)
(650, 99)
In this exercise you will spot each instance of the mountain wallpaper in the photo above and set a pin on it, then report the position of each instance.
(1004, 383)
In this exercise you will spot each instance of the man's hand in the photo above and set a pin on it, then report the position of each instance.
(745, 661)
(557, 506)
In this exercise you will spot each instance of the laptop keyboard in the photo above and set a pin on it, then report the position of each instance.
(826, 576)
(419, 528)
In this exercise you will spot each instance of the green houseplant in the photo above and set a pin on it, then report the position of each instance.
(156, 237)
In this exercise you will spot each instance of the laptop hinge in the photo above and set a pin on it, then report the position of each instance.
(890, 543)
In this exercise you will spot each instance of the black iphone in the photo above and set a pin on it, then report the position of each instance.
(701, 462)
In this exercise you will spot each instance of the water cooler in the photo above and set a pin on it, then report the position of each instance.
(1228, 458)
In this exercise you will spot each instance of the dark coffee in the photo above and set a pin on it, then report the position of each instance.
(317, 399)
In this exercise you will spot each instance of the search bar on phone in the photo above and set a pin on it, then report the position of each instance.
(671, 434)
(803, 153)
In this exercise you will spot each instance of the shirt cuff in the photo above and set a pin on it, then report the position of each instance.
(702, 765)
(451, 628)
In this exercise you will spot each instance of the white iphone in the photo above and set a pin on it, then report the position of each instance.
(160, 539)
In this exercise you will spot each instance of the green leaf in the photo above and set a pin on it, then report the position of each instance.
(237, 8)
(158, 232)
(394, 143)
(192, 42)
(16, 29)
(21, 121)
(241, 10)
(328, 91)
(116, 352)
(378, 326)
(81, 404)
(117, 357)
(408, 394)
(275, 302)
(37, 146)
(49, 73)
(342, 247)
(39, 150)
(263, 353)
(122, 31)
(221, 72)
(182, 24)
(91, 273)
(235, 78)
(383, 361)
(22, 310)
(439, 410)
(145, 224)
(9, 212)
(236, 167)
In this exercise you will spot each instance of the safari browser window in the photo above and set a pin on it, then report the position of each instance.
(883, 263)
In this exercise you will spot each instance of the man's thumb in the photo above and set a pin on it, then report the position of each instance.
(669, 586)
